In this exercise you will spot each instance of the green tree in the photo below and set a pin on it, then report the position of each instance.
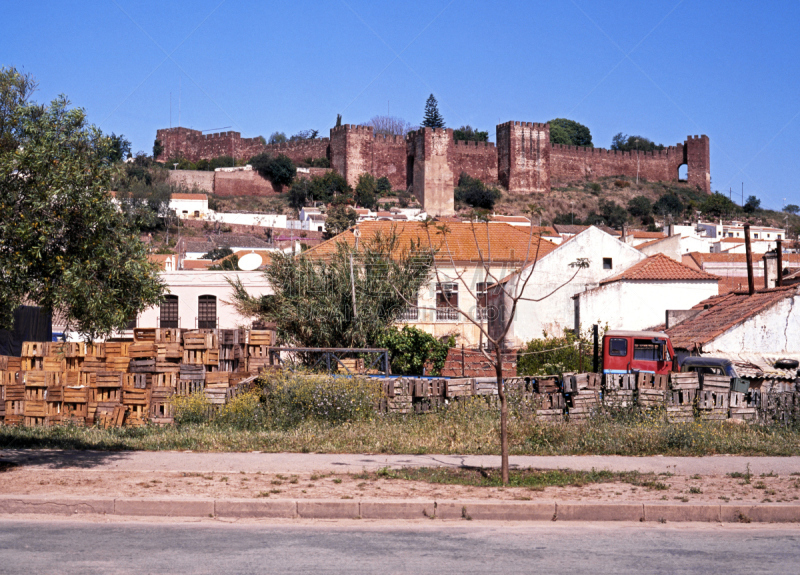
(313, 301)
(718, 206)
(792, 209)
(158, 149)
(16, 88)
(475, 193)
(668, 204)
(366, 191)
(340, 218)
(63, 244)
(383, 186)
(230, 263)
(218, 253)
(469, 134)
(570, 133)
(410, 349)
(146, 207)
(625, 143)
(304, 135)
(277, 138)
(753, 204)
(279, 170)
(433, 119)
(119, 148)
(640, 207)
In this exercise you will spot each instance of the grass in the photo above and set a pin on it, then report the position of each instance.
(463, 430)
(534, 479)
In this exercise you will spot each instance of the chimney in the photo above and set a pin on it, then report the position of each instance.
(751, 286)
(779, 250)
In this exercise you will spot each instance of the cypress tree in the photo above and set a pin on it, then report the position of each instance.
(433, 119)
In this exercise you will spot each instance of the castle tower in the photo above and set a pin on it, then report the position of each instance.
(351, 151)
(698, 162)
(523, 156)
(430, 155)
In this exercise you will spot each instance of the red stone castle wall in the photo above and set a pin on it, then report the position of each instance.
(579, 164)
(477, 159)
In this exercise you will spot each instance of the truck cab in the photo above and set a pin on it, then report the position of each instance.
(633, 351)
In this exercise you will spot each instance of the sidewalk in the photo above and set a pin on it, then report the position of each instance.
(205, 462)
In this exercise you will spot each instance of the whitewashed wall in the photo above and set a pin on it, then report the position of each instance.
(638, 305)
(773, 330)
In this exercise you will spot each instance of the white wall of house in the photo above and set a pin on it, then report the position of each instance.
(190, 208)
(670, 247)
(556, 313)
(190, 285)
(773, 330)
(638, 305)
(264, 220)
(446, 323)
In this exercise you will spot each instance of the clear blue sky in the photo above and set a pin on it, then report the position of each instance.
(663, 70)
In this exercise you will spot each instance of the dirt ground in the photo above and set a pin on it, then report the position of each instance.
(100, 483)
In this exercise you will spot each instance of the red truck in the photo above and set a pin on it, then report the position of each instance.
(629, 351)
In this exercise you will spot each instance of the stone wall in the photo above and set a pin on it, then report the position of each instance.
(190, 179)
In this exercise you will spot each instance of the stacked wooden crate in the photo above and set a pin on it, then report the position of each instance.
(397, 395)
(651, 389)
(585, 395)
(257, 352)
(427, 394)
(682, 398)
(619, 390)
(713, 397)
(550, 407)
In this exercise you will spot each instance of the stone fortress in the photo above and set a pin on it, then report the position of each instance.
(430, 161)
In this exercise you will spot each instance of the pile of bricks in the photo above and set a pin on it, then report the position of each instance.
(126, 383)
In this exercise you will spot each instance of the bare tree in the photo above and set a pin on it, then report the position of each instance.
(390, 125)
(499, 304)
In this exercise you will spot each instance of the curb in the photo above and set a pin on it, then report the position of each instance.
(399, 509)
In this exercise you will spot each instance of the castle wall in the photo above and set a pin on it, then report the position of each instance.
(698, 160)
(579, 164)
(194, 145)
(477, 159)
(389, 159)
(242, 183)
(192, 179)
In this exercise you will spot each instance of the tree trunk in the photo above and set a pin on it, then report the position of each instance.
(501, 392)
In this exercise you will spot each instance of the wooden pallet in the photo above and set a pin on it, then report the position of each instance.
(688, 380)
(717, 383)
(199, 340)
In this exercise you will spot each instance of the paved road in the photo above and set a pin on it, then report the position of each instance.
(308, 462)
(86, 548)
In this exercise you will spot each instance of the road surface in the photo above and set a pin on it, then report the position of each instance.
(86, 547)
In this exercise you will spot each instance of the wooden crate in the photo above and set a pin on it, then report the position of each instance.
(588, 381)
(116, 349)
(75, 394)
(168, 365)
(143, 350)
(192, 372)
(35, 408)
(718, 383)
(651, 397)
(618, 398)
(620, 382)
(259, 337)
(75, 412)
(32, 363)
(165, 380)
(135, 396)
(352, 365)
(684, 380)
(199, 340)
(170, 350)
(712, 400)
(120, 364)
(218, 378)
(189, 386)
(460, 387)
(108, 379)
(91, 364)
(583, 405)
(106, 395)
(34, 349)
(142, 365)
(680, 413)
(51, 363)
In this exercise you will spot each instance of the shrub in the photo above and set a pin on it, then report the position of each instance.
(594, 187)
(622, 183)
(473, 192)
(293, 398)
(194, 408)
(383, 186)
(565, 354)
(366, 190)
(411, 349)
(245, 411)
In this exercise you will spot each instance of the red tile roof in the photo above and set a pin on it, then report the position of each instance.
(197, 264)
(650, 243)
(642, 234)
(181, 196)
(660, 267)
(461, 242)
(721, 313)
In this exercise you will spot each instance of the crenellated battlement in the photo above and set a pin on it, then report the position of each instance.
(477, 145)
(351, 128)
(535, 125)
(387, 139)
(666, 152)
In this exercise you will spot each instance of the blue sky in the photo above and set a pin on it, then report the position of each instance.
(663, 70)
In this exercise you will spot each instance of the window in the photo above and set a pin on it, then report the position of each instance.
(447, 301)
(131, 323)
(618, 347)
(169, 312)
(607, 264)
(482, 305)
(779, 236)
(207, 312)
(646, 350)
(755, 236)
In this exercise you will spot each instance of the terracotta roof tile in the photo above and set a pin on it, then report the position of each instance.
(643, 235)
(181, 196)
(720, 313)
(197, 264)
(650, 243)
(660, 267)
(463, 242)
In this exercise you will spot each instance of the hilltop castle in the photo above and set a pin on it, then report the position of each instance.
(523, 161)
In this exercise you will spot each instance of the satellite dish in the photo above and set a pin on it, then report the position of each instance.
(250, 262)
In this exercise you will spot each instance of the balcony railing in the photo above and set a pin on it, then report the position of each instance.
(447, 314)
(410, 314)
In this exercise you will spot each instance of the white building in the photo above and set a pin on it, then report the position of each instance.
(198, 299)
(189, 206)
(248, 219)
(638, 298)
(547, 306)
